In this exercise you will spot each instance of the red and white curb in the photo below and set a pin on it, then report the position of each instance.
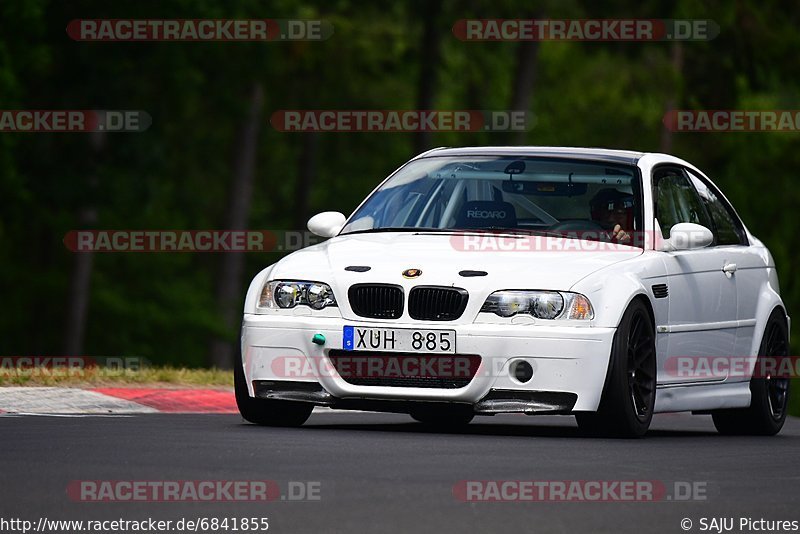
(56, 400)
(118, 400)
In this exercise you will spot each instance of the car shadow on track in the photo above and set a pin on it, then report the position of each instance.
(500, 430)
(483, 429)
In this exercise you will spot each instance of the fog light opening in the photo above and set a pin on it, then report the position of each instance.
(521, 371)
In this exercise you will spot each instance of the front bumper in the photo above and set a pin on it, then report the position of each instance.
(278, 352)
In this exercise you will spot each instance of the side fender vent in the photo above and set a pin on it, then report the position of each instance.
(660, 291)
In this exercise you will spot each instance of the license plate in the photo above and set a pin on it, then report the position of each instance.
(399, 339)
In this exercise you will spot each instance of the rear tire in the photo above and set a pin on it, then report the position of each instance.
(769, 395)
(446, 417)
(626, 407)
(264, 411)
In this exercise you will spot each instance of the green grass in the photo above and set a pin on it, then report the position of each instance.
(100, 376)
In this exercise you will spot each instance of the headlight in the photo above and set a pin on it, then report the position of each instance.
(319, 295)
(288, 294)
(540, 304)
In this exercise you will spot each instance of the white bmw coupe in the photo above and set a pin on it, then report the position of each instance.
(605, 284)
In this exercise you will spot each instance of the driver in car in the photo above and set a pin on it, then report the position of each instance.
(613, 209)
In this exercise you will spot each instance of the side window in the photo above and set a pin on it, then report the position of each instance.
(677, 200)
(728, 229)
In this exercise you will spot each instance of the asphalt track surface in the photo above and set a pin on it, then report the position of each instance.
(385, 473)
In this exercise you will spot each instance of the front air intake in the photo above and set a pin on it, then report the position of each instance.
(376, 301)
(434, 303)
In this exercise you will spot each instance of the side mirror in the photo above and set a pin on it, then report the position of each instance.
(327, 223)
(687, 236)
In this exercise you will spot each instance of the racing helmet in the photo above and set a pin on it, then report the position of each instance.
(610, 204)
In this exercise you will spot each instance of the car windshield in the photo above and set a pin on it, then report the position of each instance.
(529, 195)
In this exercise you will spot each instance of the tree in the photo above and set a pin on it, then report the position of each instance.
(229, 289)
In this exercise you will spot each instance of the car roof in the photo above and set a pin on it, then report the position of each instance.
(594, 154)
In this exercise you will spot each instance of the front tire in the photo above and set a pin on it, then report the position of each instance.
(264, 411)
(769, 395)
(626, 407)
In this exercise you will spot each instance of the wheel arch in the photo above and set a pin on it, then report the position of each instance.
(769, 303)
(645, 299)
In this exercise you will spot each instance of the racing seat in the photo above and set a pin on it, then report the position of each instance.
(486, 214)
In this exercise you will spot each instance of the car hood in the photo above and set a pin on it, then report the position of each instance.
(510, 262)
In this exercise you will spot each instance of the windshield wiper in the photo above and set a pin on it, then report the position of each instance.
(506, 230)
(484, 230)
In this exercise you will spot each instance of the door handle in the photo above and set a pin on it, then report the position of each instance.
(729, 269)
